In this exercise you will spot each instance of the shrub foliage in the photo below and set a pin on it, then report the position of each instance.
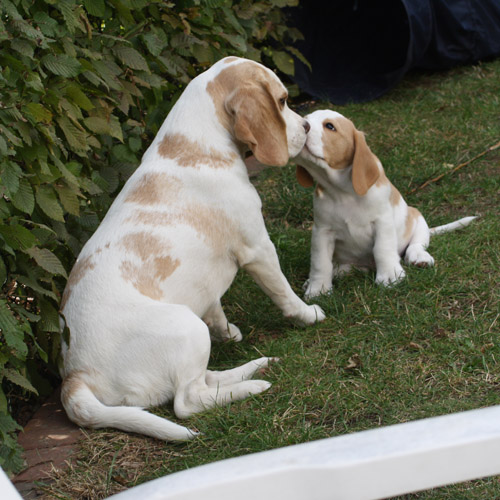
(84, 85)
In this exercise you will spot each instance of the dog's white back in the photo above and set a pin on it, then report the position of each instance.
(360, 218)
(149, 281)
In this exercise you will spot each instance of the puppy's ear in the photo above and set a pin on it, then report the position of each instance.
(257, 122)
(365, 171)
(304, 177)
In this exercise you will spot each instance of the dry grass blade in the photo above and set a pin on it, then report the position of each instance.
(455, 169)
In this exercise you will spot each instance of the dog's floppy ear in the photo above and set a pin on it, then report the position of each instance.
(257, 122)
(304, 177)
(365, 171)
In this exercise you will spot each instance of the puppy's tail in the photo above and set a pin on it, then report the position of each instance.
(452, 226)
(86, 410)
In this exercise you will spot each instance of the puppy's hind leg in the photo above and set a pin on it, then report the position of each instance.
(198, 389)
(244, 372)
(416, 252)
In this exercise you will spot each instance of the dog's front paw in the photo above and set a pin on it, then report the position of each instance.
(390, 276)
(309, 315)
(233, 333)
(313, 289)
(418, 256)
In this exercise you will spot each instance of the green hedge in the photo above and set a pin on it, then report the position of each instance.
(84, 86)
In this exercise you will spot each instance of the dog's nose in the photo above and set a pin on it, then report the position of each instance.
(306, 126)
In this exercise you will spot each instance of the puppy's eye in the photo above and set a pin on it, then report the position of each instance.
(283, 101)
(330, 126)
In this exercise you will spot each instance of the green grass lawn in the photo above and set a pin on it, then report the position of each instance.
(429, 346)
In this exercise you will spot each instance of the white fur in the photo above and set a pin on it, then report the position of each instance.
(352, 230)
(131, 349)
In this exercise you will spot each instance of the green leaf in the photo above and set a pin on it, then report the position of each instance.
(10, 176)
(18, 237)
(61, 64)
(107, 70)
(8, 7)
(70, 12)
(38, 112)
(47, 201)
(17, 378)
(3, 272)
(284, 62)
(98, 125)
(95, 7)
(13, 331)
(4, 150)
(130, 57)
(237, 41)
(23, 47)
(155, 41)
(75, 93)
(46, 24)
(49, 317)
(47, 260)
(34, 81)
(76, 138)
(23, 199)
(69, 199)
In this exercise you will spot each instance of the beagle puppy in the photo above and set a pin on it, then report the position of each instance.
(146, 287)
(360, 218)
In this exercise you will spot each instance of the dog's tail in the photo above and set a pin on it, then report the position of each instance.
(452, 226)
(86, 410)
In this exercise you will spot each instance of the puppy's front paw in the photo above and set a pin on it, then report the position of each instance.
(313, 289)
(390, 276)
(417, 256)
(309, 315)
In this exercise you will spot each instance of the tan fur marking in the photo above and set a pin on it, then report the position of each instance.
(319, 191)
(217, 229)
(395, 196)
(188, 153)
(154, 188)
(246, 100)
(71, 383)
(226, 82)
(230, 60)
(80, 269)
(143, 245)
(338, 146)
(154, 268)
(411, 219)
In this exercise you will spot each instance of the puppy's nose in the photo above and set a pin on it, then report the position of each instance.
(306, 126)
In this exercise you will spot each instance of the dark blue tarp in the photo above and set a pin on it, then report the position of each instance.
(360, 49)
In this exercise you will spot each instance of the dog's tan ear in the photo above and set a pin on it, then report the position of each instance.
(304, 177)
(257, 122)
(365, 171)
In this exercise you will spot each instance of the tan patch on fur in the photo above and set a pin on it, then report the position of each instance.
(338, 146)
(411, 219)
(247, 103)
(154, 267)
(216, 228)
(188, 153)
(72, 383)
(395, 196)
(80, 269)
(154, 188)
(230, 60)
(319, 191)
(227, 81)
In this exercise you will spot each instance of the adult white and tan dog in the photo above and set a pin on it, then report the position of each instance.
(360, 218)
(149, 281)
